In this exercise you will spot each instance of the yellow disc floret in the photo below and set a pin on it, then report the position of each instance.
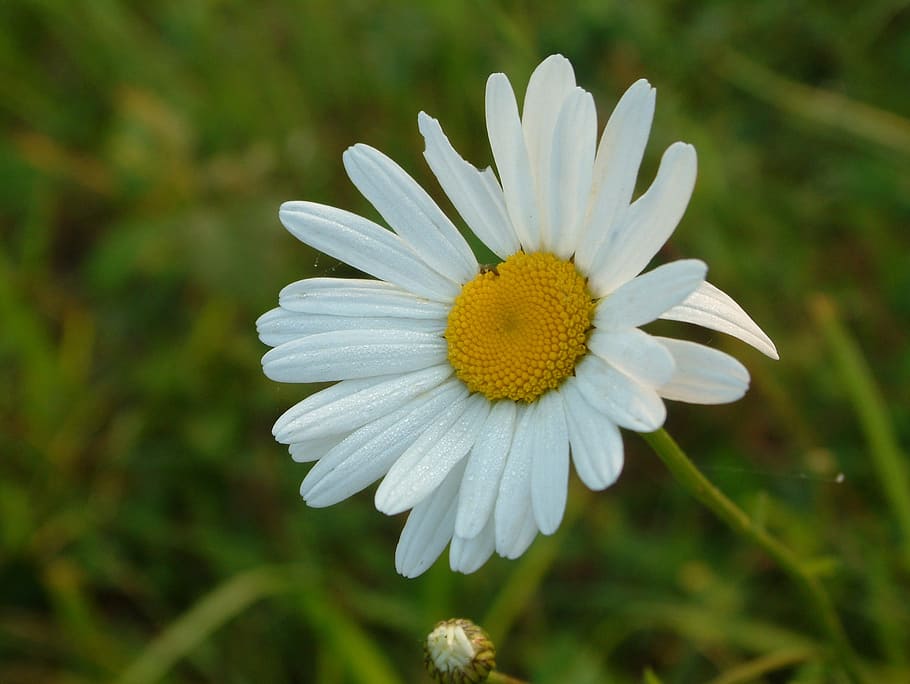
(517, 331)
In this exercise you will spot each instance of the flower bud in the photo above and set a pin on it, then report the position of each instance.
(459, 652)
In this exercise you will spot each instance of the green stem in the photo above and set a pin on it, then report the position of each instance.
(755, 669)
(702, 489)
(500, 678)
(872, 411)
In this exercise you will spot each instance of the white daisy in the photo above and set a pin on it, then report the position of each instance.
(468, 389)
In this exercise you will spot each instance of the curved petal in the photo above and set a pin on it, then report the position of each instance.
(635, 353)
(429, 528)
(644, 229)
(365, 246)
(353, 354)
(616, 165)
(426, 462)
(645, 298)
(357, 297)
(571, 165)
(550, 463)
(703, 375)
(313, 449)
(549, 86)
(329, 411)
(468, 555)
(410, 212)
(279, 326)
(476, 195)
(513, 515)
(597, 450)
(525, 533)
(626, 402)
(349, 404)
(508, 145)
(368, 453)
(712, 308)
(486, 461)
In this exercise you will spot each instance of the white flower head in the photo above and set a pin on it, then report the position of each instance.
(468, 390)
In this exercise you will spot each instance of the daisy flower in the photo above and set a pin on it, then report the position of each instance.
(468, 389)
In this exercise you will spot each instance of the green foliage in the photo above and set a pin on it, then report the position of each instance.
(150, 528)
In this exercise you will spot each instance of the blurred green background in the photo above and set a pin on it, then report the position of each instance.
(150, 529)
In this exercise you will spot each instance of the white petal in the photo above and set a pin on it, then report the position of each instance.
(550, 464)
(357, 297)
(368, 453)
(711, 308)
(569, 173)
(410, 212)
(644, 229)
(353, 354)
(359, 460)
(426, 462)
(525, 534)
(349, 404)
(313, 449)
(626, 402)
(513, 504)
(635, 353)
(550, 84)
(429, 528)
(485, 464)
(365, 246)
(616, 167)
(328, 412)
(278, 326)
(508, 145)
(703, 375)
(467, 555)
(645, 298)
(476, 195)
(597, 450)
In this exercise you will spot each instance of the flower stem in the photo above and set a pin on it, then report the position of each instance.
(871, 410)
(702, 489)
(500, 678)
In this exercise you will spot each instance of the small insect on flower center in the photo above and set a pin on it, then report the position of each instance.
(518, 330)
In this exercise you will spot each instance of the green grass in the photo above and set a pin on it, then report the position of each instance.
(150, 529)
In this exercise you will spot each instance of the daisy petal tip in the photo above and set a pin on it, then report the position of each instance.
(269, 371)
(387, 502)
(348, 158)
(315, 499)
(556, 57)
(681, 153)
(411, 569)
(692, 269)
(642, 88)
(770, 349)
(425, 122)
(290, 207)
(700, 266)
(653, 420)
(610, 479)
(498, 83)
(264, 318)
(548, 526)
(292, 215)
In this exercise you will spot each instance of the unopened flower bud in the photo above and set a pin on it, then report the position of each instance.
(459, 652)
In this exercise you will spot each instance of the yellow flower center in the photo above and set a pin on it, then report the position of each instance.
(517, 331)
